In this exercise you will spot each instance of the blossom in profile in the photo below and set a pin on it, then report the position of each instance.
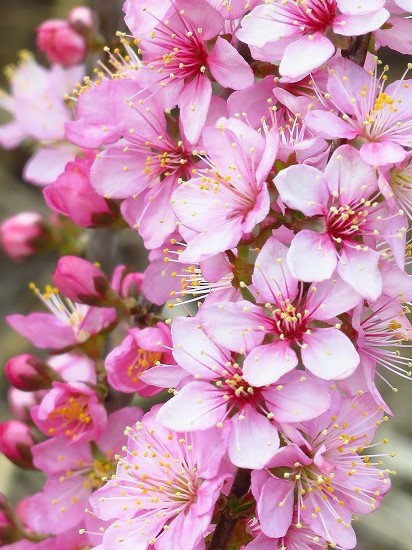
(164, 489)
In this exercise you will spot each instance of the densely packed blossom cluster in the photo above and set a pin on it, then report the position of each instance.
(265, 159)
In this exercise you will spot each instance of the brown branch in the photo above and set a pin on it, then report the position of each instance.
(227, 523)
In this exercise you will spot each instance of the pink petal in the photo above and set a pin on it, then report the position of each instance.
(330, 298)
(350, 176)
(360, 6)
(271, 275)
(317, 49)
(237, 326)
(355, 25)
(275, 507)
(312, 256)
(329, 354)
(359, 268)
(385, 152)
(266, 364)
(292, 400)
(228, 67)
(328, 125)
(197, 406)
(398, 37)
(47, 164)
(119, 174)
(253, 439)
(194, 104)
(194, 351)
(43, 330)
(303, 188)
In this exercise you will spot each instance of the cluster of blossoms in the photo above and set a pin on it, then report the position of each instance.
(261, 155)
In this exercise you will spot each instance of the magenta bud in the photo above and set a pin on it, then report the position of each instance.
(28, 373)
(24, 235)
(81, 281)
(16, 441)
(61, 43)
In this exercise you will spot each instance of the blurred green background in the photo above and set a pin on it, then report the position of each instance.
(390, 528)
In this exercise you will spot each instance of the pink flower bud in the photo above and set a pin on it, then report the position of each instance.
(16, 441)
(81, 281)
(28, 373)
(24, 235)
(132, 284)
(81, 17)
(61, 43)
(73, 196)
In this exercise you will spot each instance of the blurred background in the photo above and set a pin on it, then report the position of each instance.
(390, 528)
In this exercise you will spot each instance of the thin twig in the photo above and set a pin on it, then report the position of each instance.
(227, 523)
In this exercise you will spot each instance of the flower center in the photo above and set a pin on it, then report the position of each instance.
(289, 322)
(145, 359)
(72, 416)
(309, 15)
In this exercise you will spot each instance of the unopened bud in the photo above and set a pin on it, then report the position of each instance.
(61, 43)
(24, 235)
(16, 441)
(28, 373)
(81, 281)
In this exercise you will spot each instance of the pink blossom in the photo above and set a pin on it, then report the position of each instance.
(376, 113)
(289, 317)
(24, 235)
(332, 481)
(81, 16)
(16, 441)
(347, 220)
(190, 29)
(71, 410)
(73, 473)
(60, 42)
(137, 360)
(72, 195)
(277, 30)
(227, 200)
(219, 394)
(68, 324)
(169, 502)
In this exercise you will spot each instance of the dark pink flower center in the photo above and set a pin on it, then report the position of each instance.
(289, 322)
(309, 15)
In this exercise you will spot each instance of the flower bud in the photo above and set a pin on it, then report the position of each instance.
(81, 281)
(61, 43)
(28, 373)
(81, 17)
(16, 441)
(24, 235)
(73, 196)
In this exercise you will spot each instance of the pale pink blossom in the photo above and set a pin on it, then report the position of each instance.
(289, 320)
(166, 502)
(346, 218)
(332, 481)
(281, 31)
(219, 395)
(71, 410)
(375, 113)
(73, 473)
(225, 201)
